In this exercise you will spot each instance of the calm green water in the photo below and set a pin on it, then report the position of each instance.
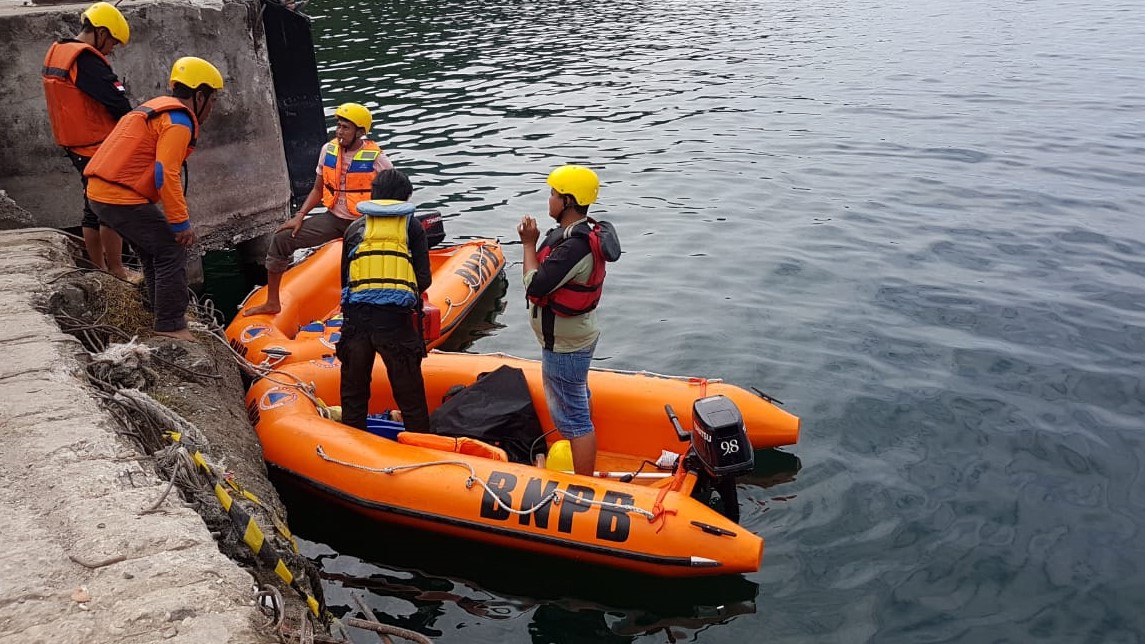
(916, 223)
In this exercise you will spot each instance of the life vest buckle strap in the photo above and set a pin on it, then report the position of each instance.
(382, 252)
(382, 280)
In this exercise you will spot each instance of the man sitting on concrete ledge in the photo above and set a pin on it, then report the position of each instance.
(346, 169)
(138, 167)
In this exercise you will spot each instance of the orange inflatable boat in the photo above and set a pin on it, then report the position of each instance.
(309, 324)
(657, 521)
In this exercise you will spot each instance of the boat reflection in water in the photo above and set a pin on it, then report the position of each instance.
(481, 321)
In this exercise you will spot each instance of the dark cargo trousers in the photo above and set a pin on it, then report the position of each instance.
(316, 230)
(393, 336)
(164, 260)
(90, 220)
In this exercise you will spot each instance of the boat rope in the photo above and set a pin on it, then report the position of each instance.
(450, 303)
(269, 373)
(474, 286)
(658, 506)
(553, 497)
(373, 624)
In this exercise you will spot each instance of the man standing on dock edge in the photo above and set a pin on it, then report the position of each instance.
(85, 100)
(139, 167)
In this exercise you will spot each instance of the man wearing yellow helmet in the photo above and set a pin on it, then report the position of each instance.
(563, 280)
(85, 100)
(137, 169)
(346, 168)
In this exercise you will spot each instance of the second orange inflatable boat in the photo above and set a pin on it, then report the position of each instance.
(309, 324)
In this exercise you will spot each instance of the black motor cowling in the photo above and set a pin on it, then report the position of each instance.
(720, 439)
(433, 225)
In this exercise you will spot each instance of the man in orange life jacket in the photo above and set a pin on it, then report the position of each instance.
(85, 100)
(563, 282)
(347, 166)
(385, 269)
(138, 167)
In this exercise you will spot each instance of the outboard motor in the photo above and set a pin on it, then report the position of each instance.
(720, 439)
(720, 450)
(433, 225)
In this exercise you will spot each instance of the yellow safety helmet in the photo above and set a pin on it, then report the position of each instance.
(194, 73)
(560, 457)
(356, 114)
(103, 14)
(575, 180)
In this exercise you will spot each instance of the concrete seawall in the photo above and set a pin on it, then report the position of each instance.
(71, 493)
(239, 186)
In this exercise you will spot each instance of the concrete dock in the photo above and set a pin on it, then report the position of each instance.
(71, 493)
(80, 561)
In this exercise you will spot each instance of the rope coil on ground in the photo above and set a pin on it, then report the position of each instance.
(277, 606)
(119, 368)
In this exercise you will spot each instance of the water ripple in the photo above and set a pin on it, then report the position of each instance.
(918, 224)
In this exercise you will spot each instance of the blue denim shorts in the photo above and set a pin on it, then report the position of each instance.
(565, 376)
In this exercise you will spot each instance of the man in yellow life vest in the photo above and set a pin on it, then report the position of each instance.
(385, 270)
(85, 100)
(137, 169)
(347, 166)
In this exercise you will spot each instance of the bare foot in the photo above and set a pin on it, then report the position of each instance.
(181, 334)
(130, 276)
(270, 308)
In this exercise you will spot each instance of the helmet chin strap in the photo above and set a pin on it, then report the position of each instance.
(566, 209)
(199, 107)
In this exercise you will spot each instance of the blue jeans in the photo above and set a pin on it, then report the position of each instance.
(565, 377)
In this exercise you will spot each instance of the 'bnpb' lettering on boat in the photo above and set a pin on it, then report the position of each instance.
(612, 524)
(480, 267)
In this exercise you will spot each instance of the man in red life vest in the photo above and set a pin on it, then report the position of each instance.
(137, 169)
(563, 282)
(85, 100)
(346, 169)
